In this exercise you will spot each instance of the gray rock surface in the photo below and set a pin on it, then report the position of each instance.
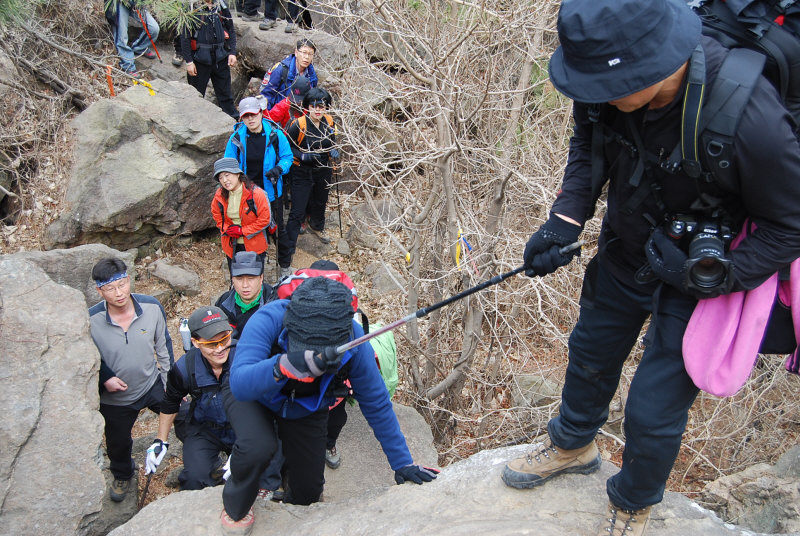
(531, 390)
(762, 497)
(51, 431)
(142, 168)
(468, 498)
(384, 279)
(73, 267)
(366, 228)
(179, 278)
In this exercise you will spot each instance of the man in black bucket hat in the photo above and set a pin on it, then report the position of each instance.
(288, 373)
(628, 65)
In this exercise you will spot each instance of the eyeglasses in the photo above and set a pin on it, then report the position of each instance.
(310, 54)
(122, 285)
(216, 342)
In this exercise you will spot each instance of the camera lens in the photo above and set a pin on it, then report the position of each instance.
(707, 271)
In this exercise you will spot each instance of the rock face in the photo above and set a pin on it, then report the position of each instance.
(762, 497)
(73, 267)
(51, 431)
(468, 498)
(143, 166)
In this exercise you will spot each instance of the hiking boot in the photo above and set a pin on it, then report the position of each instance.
(267, 24)
(133, 73)
(149, 54)
(264, 496)
(243, 527)
(119, 489)
(547, 461)
(303, 228)
(621, 522)
(286, 272)
(320, 234)
(332, 458)
(177, 60)
(251, 18)
(291, 27)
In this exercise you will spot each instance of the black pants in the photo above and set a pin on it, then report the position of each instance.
(337, 418)
(310, 188)
(201, 449)
(303, 444)
(220, 75)
(285, 248)
(119, 423)
(298, 12)
(660, 394)
(270, 8)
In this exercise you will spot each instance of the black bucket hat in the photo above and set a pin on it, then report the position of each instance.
(319, 314)
(610, 50)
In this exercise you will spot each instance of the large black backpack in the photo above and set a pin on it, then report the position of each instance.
(764, 38)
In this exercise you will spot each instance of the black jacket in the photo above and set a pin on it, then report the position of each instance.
(210, 40)
(767, 178)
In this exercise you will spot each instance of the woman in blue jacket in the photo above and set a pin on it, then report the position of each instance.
(280, 376)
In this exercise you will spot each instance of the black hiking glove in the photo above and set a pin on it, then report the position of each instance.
(274, 174)
(303, 366)
(671, 264)
(415, 473)
(542, 254)
(309, 158)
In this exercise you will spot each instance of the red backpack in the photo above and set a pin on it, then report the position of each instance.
(286, 287)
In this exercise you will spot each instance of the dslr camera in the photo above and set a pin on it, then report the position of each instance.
(705, 241)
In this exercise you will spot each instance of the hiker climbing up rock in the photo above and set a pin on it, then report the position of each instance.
(264, 153)
(293, 384)
(629, 66)
(276, 83)
(241, 211)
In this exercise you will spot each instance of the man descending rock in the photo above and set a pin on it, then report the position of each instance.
(119, 15)
(286, 373)
(130, 331)
(210, 52)
(203, 425)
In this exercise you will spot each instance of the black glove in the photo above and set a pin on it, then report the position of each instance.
(302, 366)
(309, 158)
(274, 174)
(671, 264)
(333, 360)
(415, 473)
(542, 255)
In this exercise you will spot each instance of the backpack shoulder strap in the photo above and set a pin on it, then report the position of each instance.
(301, 124)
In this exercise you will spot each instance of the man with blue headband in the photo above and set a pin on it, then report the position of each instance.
(130, 331)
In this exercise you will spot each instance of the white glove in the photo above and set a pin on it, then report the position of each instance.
(155, 454)
(227, 468)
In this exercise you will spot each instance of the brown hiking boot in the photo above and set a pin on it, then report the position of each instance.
(547, 461)
(119, 489)
(621, 522)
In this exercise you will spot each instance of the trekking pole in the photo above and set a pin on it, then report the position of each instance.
(427, 310)
(146, 487)
(338, 203)
(150, 37)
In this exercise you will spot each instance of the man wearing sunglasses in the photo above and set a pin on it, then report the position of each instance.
(130, 332)
(202, 424)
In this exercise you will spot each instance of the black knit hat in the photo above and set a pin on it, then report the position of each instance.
(319, 314)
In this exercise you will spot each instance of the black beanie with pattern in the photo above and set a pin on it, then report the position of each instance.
(319, 314)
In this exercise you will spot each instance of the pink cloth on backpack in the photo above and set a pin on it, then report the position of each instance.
(724, 334)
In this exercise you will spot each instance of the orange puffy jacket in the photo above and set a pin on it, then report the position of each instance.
(255, 215)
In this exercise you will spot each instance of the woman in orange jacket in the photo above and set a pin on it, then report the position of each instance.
(240, 210)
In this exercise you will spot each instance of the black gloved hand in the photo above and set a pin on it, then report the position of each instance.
(303, 366)
(671, 264)
(415, 473)
(666, 258)
(274, 174)
(332, 359)
(541, 255)
(309, 158)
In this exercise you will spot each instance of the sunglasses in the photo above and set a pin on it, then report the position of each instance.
(216, 342)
